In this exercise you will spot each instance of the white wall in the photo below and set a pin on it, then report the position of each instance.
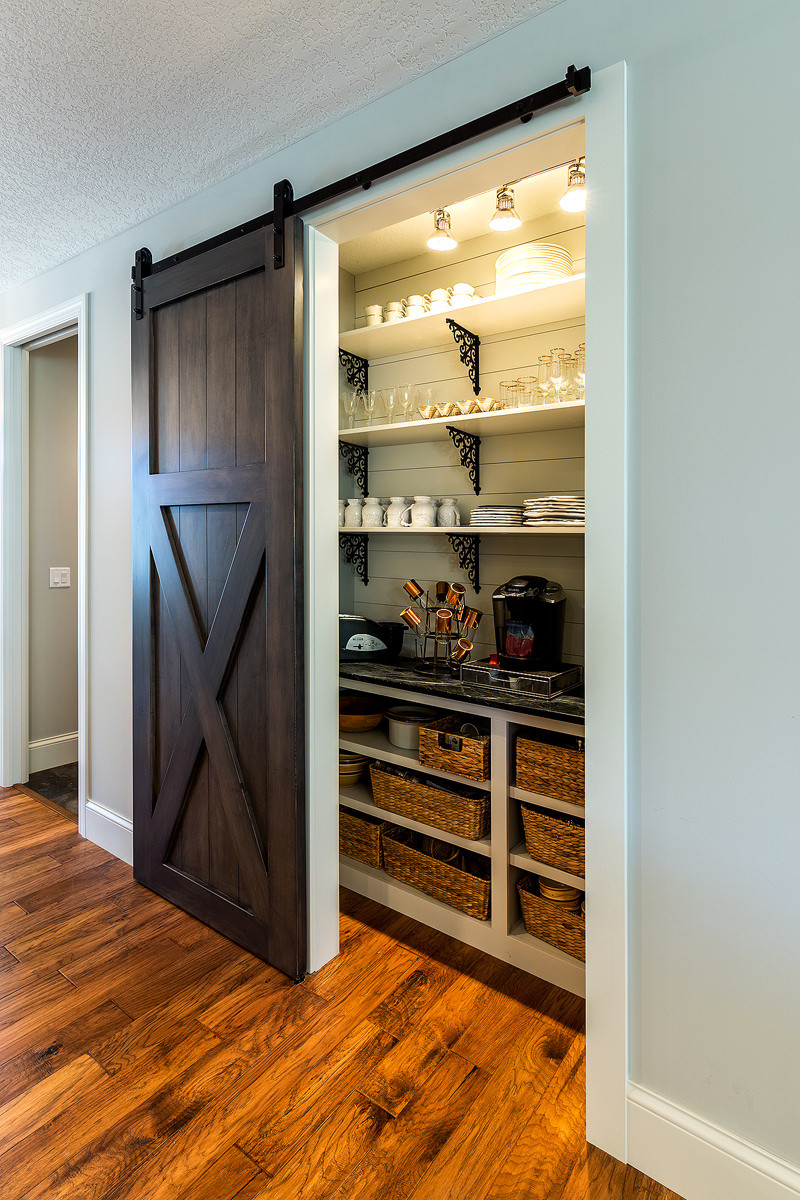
(715, 968)
(53, 542)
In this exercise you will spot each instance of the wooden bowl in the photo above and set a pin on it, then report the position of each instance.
(357, 714)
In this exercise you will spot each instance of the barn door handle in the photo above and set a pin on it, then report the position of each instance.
(282, 207)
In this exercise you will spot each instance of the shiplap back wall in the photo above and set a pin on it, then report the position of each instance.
(513, 467)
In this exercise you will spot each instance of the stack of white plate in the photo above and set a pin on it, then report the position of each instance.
(530, 265)
(555, 510)
(496, 516)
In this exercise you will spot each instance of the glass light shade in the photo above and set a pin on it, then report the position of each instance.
(505, 216)
(574, 198)
(441, 238)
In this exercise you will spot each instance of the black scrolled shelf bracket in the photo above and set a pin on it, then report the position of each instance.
(356, 370)
(141, 268)
(469, 351)
(468, 551)
(468, 446)
(357, 461)
(282, 207)
(355, 547)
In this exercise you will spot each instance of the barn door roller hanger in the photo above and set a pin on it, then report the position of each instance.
(576, 82)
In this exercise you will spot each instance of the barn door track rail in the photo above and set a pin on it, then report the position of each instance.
(576, 82)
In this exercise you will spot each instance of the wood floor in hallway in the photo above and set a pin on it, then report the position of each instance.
(144, 1057)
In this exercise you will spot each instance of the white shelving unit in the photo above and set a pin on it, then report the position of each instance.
(550, 302)
(535, 418)
(503, 935)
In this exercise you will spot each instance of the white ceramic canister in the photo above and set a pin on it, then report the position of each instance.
(352, 516)
(448, 513)
(396, 517)
(341, 514)
(372, 513)
(423, 512)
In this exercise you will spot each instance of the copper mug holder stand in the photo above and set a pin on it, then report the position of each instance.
(440, 641)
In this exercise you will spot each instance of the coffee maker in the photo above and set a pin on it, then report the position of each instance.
(529, 623)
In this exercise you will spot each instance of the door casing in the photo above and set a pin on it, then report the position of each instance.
(61, 321)
(506, 154)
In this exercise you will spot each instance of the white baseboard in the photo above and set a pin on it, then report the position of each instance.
(112, 832)
(57, 751)
(700, 1160)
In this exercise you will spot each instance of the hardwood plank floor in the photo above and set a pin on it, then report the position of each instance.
(144, 1057)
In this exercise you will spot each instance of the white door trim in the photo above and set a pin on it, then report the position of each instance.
(603, 110)
(14, 538)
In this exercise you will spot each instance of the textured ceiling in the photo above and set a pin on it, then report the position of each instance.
(113, 110)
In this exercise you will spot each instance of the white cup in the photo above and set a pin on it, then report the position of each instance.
(373, 310)
(439, 306)
(418, 302)
(463, 289)
(415, 310)
(395, 306)
(396, 314)
(440, 294)
(374, 319)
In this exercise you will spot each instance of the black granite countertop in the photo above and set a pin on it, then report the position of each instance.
(568, 707)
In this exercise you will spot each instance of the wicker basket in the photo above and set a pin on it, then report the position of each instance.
(443, 747)
(551, 770)
(547, 921)
(461, 815)
(360, 837)
(461, 889)
(553, 840)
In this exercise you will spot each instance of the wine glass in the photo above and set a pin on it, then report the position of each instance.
(543, 378)
(580, 370)
(557, 380)
(349, 397)
(570, 379)
(390, 402)
(406, 395)
(370, 401)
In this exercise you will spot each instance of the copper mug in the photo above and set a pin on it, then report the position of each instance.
(442, 589)
(443, 620)
(455, 594)
(412, 587)
(471, 618)
(411, 617)
(462, 648)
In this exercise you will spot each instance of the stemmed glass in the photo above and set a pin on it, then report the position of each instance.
(558, 376)
(543, 378)
(580, 370)
(570, 379)
(390, 402)
(349, 397)
(406, 395)
(370, 400)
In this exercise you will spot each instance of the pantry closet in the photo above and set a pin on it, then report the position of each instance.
(450, 397)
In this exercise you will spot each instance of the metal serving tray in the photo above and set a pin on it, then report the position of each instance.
(528, 683)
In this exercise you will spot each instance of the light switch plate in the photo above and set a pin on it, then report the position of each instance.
(59, 577)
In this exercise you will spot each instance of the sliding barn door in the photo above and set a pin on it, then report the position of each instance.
(219, 794)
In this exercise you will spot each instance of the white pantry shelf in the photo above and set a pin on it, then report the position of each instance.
(473, 530)
(574, 810)
(375, 744)
(360, 798)
(547, 303)
(533, 418)
(519, 857)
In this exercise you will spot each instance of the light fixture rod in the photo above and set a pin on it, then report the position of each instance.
(576, 82)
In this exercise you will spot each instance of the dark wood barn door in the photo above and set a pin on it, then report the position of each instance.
(219, 792)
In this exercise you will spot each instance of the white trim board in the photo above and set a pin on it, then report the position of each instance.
(698, 1159)
(62, 321)
(49, 752)
(110, 831)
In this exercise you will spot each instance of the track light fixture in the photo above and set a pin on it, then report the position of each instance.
(574, 198)
(441, 238)
(505, 216)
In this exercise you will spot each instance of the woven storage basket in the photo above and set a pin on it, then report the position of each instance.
(443, 881)
(360, 837)
(546, 920)
(555, 771)
(443, 747)
(447, 811)
(552, 840)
